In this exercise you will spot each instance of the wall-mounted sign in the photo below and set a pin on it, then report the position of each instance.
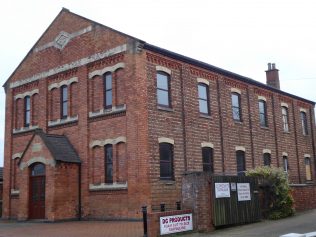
(243, 191)
(233, 186)
(222, 190)
(175, 224)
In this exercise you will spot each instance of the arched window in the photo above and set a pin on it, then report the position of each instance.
(236, 106)
(163, 89)
(266, 159)
(204, 102)
(107, 85)
(285, 119)
(285, 164)
(304, 123)
(241, 165)
(64, 101)
(166, 161)
(27, 111)
(263, 113)
(108, 163)
(207, 158)
(308, 169)
(38, 169)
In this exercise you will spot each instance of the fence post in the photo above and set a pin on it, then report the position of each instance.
(178, 205)
(144, 210)
(162, 207)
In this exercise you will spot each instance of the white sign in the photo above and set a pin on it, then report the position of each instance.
(175, 224)
(243, 190)
(222, 190)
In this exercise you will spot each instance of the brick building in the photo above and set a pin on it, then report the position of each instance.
(99, 123)
(1, 189)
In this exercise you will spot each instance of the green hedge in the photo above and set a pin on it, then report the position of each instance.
(279, 196)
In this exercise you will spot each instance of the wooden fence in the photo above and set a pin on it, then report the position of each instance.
(235, 200)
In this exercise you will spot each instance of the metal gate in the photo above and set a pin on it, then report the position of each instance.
(235, 200)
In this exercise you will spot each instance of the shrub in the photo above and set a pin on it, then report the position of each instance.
(278, 196)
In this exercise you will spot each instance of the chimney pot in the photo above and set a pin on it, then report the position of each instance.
(273, 76)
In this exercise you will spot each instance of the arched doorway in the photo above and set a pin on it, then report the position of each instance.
(37, 191)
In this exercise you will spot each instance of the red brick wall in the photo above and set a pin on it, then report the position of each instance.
(137, 160)
(304, 197)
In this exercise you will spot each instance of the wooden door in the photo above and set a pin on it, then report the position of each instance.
(37, 192)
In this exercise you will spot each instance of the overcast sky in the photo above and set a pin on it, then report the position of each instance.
(238, 35)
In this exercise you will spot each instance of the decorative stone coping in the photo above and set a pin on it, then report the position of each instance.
(71, 65)
(24, 129)
(113, 110)
(62, 121)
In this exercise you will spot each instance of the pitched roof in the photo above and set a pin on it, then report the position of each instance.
(60, 147)
(1, 173)
(176, 56)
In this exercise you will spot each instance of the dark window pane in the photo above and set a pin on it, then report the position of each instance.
(65, 110)
(240, 156)
(162, 81)
(108, 99)
(27, 103)
(163, 97)
(304, 123)
(109, 173)
(235, 100)
(27, 118)
(236, 107)
(64, 101)
(263, 113)
(207, 158)
(166, 160)
(27, 111)
(108, 163)
(236, 114)
(202, 92)
(108, 81)
(203, 106)
(38, 169)
(285, 119)
(285, 164)
(266, 159)
(165, 170)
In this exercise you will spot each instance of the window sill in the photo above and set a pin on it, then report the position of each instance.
(205, 116)
(15, 192)
(238, 122)
(105, 186)
(24, 129)
(168, 109)
(62, 121)
(168, 182)
(263, 127)
(286, 132)
(113, 110)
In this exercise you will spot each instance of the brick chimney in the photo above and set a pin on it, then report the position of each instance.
(273, 76)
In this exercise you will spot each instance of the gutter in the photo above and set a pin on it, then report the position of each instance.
(218, 70)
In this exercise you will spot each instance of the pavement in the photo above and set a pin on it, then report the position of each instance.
(300, 223)
(303, 222)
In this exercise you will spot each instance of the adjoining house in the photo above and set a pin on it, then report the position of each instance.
(100, 123)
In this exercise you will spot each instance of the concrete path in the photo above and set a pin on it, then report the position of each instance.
(300, 223)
